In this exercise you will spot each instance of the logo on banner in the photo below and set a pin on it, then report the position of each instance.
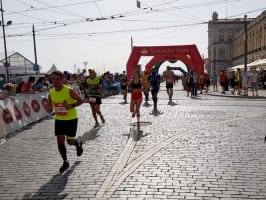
(144, 51)
(45, 103)
(7, 116)
(35, 106)
(26, 109)
(17, 112)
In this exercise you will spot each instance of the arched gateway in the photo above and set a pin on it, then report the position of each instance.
(188, 54)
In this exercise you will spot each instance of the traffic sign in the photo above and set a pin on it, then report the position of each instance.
(206, 61)
(36, 67)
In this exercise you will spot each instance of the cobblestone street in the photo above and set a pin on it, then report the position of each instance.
(209, 147)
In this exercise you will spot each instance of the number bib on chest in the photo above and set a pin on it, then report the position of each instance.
(60, 109)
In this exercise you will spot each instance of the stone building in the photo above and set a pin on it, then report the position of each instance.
(256, 41)
(226, 41)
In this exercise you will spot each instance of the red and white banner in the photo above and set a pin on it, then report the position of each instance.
(21, 110)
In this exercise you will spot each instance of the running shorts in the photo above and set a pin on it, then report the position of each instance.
(66, 127)
(169, 85)
(136, 95)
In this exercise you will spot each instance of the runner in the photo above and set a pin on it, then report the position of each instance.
(123, 83)
(169, 80)
(94, 95)
(146, 86)
(154, 80)
(135, 85)
(64, 99)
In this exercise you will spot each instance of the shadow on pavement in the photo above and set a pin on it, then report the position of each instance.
(90, 135)
(53, 188)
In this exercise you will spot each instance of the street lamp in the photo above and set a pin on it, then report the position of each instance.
(245, 42)
(85, 64)
(6, 64)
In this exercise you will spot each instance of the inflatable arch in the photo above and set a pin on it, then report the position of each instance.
(188, 54)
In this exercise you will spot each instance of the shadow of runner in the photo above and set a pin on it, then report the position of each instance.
(53, 188)
(90, 135)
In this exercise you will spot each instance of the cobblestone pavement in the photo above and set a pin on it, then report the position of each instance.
(209, 147)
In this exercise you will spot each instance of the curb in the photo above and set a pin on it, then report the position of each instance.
(237, 96)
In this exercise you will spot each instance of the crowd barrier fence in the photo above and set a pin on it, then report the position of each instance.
(21, 110)
(24, 109)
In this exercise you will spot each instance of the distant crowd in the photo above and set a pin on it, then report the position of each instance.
(111, 84)
(239, 81)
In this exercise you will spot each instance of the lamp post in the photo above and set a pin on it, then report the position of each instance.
(85, 64)
(245, 42)
(6, 64)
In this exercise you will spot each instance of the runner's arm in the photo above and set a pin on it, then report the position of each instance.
(49, 107)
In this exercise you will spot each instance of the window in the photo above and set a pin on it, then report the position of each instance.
(221, 35)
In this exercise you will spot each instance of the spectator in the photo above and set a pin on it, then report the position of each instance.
(27, 86)
(206, 81)
(223, 81)
(237, 82)
(245, 81)
(9, 90)
(194, 77)
(254, 81)
(47, 83)
(214, 81)
(39, 85)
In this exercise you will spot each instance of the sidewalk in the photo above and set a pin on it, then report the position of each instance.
(261, 94)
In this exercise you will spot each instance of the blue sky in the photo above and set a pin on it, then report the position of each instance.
(70, 32)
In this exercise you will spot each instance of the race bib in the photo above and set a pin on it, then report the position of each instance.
(60, 109)
(92, 100)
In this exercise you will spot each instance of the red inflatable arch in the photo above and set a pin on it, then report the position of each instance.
(188, 54)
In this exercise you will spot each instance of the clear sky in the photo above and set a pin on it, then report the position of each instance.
(99, 32)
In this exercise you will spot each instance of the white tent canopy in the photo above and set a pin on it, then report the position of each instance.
(259, 64)
(52, 69)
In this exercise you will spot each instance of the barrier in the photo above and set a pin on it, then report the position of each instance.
(21, 110)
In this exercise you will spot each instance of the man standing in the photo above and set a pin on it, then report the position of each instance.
(254, 79)
(169, 80)
(155, 81)
(123, 83)
(237, 82)
(245, 81)
(223, 78)
(64, 100)
(94, 95)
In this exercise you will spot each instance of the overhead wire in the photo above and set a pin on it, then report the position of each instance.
(49, 7)
(66, 12)
(57, 25)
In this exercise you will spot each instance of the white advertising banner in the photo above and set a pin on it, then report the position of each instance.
(21, 110)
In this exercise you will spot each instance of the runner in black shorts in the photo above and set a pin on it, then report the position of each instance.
(64, 100)
(169, 80)
(94, 95)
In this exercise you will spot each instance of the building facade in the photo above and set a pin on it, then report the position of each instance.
(221, 35)
(226, 41)
(256, 41)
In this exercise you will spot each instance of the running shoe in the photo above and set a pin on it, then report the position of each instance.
(96, 125)
(64, 167)
(103, 120)
(79, 148)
